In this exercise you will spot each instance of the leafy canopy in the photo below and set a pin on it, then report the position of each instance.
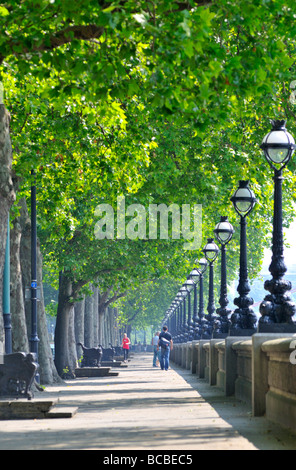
(162, 101)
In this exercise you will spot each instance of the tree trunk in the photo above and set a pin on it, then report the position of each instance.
(89, 320)
(110, 325)
(96, 317)
(129, 330)
(79, 326)
(101, 311)
(73, 362)
(118, 335)
(7, 198)
(25, 254)
(17, 305)
(101, 327)
(65, 305)
(47, 370)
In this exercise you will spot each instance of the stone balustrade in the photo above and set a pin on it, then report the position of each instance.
(259, 370)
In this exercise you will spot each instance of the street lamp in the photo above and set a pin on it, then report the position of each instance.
(277, 309)
(243, 318)
(202, 266)
(180, 299)
(194, 275)
(184, 292)
(189, 284)
(34, 340)
(211, 252)
(174, 308)
(6, 295)
(168, 317)
(223, 232)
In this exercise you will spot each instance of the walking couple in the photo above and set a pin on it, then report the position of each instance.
(163, 344)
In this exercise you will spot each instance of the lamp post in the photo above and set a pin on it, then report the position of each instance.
(202, 263)
(34, 340)
(194, 275)
(243, 318)
(211, 251)
(6, 296)
(174, 307)
(223, 232)
(184, 292)
(168, 323)
(176, 319)
(189, 285)
(179, 299)
(277, 309)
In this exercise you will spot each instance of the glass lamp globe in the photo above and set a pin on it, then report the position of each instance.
(278, 145)
(183, 291)
(211, 250)
(202, 263)
(243, 199)
(194, 275)
(224, 231)
(189, 284)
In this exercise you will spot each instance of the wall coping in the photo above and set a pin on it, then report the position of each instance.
(242, 345)
(279, 345)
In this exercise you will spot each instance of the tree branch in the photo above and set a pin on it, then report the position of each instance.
(89, 32)
(115, 297)
(65, 36)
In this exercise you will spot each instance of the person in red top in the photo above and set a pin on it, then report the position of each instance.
(125, 346)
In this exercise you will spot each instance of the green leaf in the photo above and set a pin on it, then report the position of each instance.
(3, 11)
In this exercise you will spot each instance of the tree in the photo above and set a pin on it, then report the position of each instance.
(90, 81)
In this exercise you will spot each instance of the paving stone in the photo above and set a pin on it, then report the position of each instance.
(144, 408)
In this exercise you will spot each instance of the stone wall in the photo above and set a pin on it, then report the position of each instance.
(259, 370)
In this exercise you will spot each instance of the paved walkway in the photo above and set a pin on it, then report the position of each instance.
(145, 408)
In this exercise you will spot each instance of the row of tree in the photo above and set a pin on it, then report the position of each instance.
(159, 102)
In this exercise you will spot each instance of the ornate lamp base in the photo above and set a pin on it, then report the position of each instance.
(277, 309)
(222, 323)
(243, 319)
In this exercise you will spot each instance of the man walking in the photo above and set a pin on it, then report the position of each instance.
(165, 344)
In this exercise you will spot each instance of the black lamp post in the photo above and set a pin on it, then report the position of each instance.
(223, 232)
(211, 252)
(202, 263)
(194, 275)
(177, 322)
(175, 306)
(189, 285)
(277, 309)
(34, 340)
(243, 318)
(179, 299)
(168, 322)
(184, 292)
